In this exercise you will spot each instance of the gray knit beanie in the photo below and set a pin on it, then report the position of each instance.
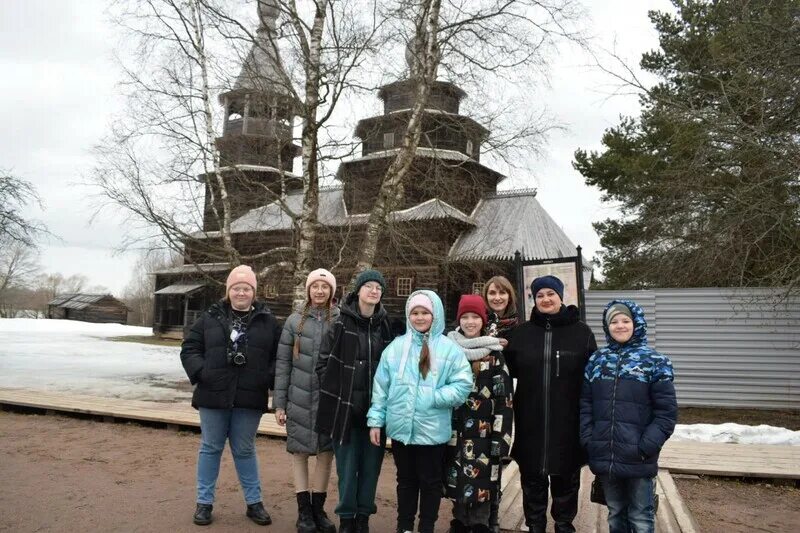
(617, 309)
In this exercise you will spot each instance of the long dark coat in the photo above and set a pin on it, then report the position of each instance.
(219, 384)
(296, 382)
(348, 360)
(547, 356)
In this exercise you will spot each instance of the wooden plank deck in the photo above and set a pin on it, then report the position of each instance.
(178, 414)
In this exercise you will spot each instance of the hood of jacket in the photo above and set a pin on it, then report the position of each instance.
(437, 327)
(350, 308)
(639, 337)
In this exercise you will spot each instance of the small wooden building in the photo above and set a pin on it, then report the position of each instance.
(98, 308)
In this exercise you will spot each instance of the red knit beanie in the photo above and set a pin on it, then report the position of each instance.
(472, 303)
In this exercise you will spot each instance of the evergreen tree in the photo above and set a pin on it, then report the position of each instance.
(708, 177)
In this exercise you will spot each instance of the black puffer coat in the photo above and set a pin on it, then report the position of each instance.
(547, 355)
(204, 355)
(347, 364)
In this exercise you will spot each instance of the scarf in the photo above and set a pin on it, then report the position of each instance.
(475, 348)
(498, 326)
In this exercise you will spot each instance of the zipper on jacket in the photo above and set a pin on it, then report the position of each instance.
(614, 410)
(369, 362)
(558, 364)
(548, 341)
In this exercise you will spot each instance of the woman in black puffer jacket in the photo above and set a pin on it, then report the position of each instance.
(229, 355)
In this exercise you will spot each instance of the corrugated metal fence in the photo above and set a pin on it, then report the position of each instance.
(729, 347)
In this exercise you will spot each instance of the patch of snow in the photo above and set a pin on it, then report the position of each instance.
(736, 434)
(72, 356)
(30, 325)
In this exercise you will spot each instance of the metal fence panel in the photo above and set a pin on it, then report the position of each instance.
(730, 347)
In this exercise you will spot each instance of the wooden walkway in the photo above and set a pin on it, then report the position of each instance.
(173, 414)
(740, 460)
(673, 515)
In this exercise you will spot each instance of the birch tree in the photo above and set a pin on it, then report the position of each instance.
(475, 43)
(183, 57)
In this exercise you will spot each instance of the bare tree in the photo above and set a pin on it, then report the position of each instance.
(15, 195)
(138, 293)
(478, 43)
(181, 61)
(19, 267)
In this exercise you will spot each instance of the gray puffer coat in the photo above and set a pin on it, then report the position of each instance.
(296, 382)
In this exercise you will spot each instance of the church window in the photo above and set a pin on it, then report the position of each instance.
(270, 290)
(477, 288)
(388, 140)
(469, 147)
(403, 286)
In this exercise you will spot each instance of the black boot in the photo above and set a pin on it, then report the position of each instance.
(347, 525)
(494, 514)
(362, 523)
(456, 526)
(534, 501)
(305, 516)
(259, 515)
(323, 523)
(564, 490)
(202, 514)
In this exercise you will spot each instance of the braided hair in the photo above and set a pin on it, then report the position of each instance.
(304, 315)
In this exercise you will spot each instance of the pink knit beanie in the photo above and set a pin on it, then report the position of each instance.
(241, 274)
(420, 300)
(321, 274)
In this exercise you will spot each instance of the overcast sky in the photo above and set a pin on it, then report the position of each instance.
(58, 87)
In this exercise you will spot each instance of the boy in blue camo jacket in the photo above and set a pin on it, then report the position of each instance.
(628, 411)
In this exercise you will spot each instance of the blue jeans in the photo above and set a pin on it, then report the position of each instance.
(630, 504)
(239, 426)
(358, 465)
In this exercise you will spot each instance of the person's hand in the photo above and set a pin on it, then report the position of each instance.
(503, 342)
(280, 417)
(375, 436)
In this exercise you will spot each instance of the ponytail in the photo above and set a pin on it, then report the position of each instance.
(424, 357)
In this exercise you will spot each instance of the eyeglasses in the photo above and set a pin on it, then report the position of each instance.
(373, 287)
(242, 290)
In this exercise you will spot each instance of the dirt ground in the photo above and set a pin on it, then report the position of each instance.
(736, 506)
(68, 474)
(752, 417)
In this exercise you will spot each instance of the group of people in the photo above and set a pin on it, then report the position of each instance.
(343, 384)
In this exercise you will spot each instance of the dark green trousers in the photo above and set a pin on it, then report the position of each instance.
(358, 465)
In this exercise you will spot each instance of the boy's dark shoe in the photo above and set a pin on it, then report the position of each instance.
(202, 514)
(259, 515)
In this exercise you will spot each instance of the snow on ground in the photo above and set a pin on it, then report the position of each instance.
(77, 357)
(736, 434)
(72, 356)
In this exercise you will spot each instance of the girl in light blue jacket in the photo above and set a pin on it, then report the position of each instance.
(421, 377)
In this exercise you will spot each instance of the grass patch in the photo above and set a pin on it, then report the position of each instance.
(788, 419)
(146, 339)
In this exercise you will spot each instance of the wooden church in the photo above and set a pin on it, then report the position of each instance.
(453, 231)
